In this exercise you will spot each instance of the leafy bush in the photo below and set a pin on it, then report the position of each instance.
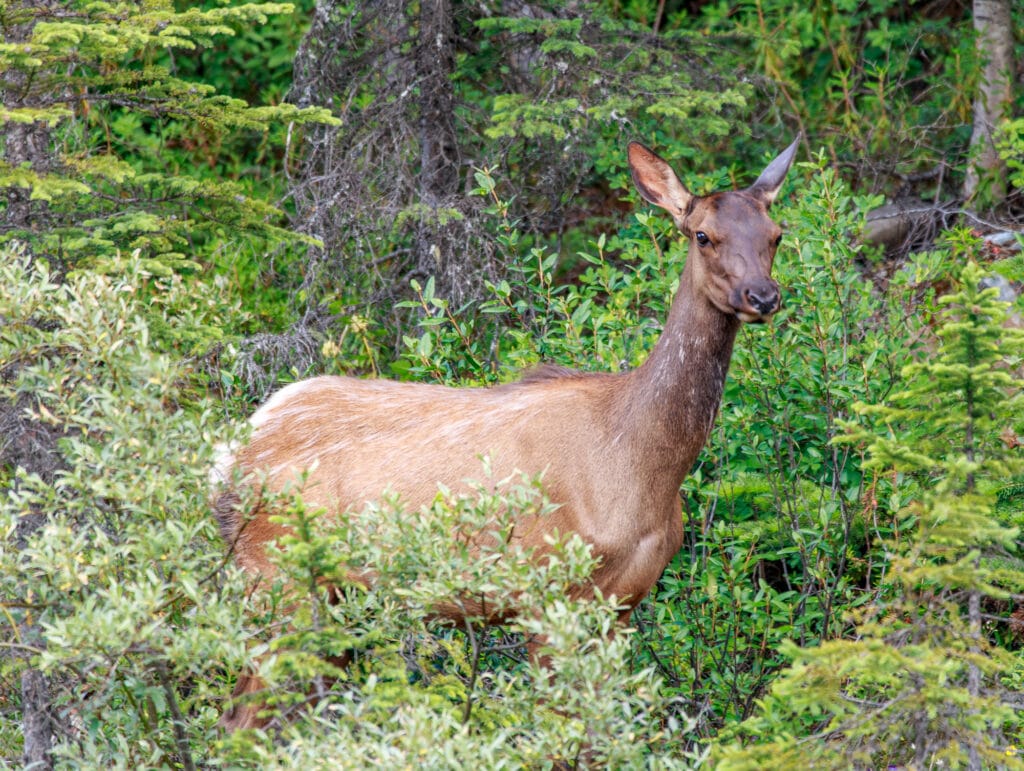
(922, 678)
(430, 694)
(607, 320)
(115, 588)
(111, 575)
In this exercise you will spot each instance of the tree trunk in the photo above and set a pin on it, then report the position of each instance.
(24, 143)
(985, 180)
(35, 720)
(440, 162)
(435, 65)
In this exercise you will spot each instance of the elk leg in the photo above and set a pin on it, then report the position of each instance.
(247, 710)
(244, 710)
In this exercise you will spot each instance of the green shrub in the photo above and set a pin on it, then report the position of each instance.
(116, 588)
(111, 573)
(922, 678)
(431, 694)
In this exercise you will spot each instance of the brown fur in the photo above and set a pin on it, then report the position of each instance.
(612, 448)
(548, 372)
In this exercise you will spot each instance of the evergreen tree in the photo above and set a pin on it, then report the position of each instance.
(920, 681)
(91, 111)
(428, 92)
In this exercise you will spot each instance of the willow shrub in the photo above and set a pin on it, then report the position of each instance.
(926, 677)
(117, 592)
(426, 693)
(110, 568)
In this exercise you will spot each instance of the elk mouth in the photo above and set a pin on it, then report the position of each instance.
(754, 318)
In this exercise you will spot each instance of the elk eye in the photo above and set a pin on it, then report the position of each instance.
(702, 238)
(778, 241)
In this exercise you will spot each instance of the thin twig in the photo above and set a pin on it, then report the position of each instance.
(177, 721)
(474, 645)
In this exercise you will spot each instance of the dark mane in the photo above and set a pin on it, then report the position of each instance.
(545, 372)
(548, 373)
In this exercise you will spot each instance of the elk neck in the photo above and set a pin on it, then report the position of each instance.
(673, 398)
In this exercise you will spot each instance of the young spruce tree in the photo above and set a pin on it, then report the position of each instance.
(93, 120)
(921, 680)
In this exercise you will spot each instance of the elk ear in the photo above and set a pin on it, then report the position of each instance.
(656, 181)
(768, 184)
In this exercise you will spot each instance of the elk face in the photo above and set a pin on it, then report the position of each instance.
(732, 246)
(732, 238)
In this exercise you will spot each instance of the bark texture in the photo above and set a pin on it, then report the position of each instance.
(986, 173)
(387, 70)
(24, 442)
(439, 150)
(24, 143)
(36, 728)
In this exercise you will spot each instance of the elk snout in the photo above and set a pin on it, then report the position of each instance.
(756, 301)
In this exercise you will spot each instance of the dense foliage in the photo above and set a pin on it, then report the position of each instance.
(176, 240)
(94, 115)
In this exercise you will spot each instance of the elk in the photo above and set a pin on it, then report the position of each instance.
(613, 448)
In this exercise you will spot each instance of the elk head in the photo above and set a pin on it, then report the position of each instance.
(732, 238)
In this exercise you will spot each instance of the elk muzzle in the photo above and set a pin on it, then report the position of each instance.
(755, 301)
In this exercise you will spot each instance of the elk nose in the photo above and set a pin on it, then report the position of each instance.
(764, 298)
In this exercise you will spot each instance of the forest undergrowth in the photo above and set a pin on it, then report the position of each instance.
(848, 594)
